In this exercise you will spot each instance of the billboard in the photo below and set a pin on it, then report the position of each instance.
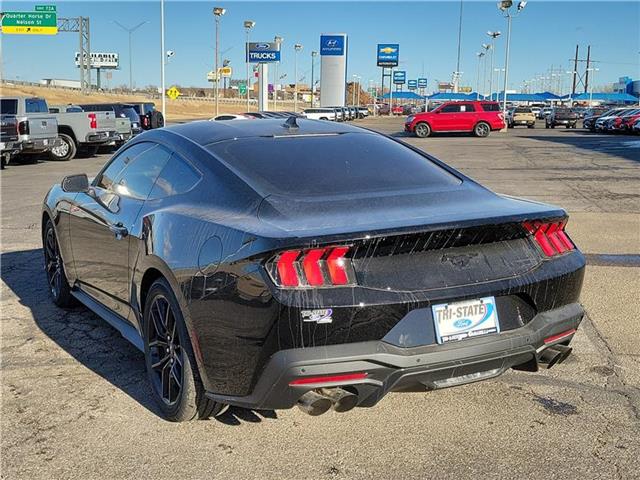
(333, 69)
(332, 45)
(399, 77)
(422, 83)
(263, 52)
(445, 86)
(388, 54)
(100, 60)
(412, 84)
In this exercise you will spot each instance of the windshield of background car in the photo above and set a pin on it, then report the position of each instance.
(8, 106)
(334, 164)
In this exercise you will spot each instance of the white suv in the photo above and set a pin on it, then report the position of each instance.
(320, 114)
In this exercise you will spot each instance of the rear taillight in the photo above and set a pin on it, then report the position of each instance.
(550, 237)
(23, 127)
(316, 267)
(93, 121)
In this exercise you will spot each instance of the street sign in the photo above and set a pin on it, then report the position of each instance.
(332, 45)
(100, 60)
(263, 52)
(242, 88)
(225, 71)
(399, 77)
(412, 84)
(422, 83)
(388, 54)
(173, 93)
(30, 23)
(45, 8)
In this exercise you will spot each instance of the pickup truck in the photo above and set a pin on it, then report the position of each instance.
(561, 116)
(9, 144)
(37, 128)
(81, 132)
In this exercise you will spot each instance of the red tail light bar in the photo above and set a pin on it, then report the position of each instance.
(93, 121)
(316, 267)
(550, 236)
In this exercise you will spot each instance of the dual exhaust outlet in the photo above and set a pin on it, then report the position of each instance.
(554, 354)
(317, 402)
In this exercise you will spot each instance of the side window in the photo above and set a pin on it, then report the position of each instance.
(491, 107)
(35, 105)
(453, 108)
(178, 176)
(467, 107)
(107, 178)
(138, 178)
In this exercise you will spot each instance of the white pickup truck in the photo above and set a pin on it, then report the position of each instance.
(320, 113)
(37, 128)
(81, 132)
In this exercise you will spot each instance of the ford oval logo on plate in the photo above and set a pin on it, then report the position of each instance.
(463, 323)
(262, 46)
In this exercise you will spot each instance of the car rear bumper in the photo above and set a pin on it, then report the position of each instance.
(391, 368)
(101, 137)
(38, 145)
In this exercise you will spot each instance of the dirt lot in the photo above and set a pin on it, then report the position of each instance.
(76, 403)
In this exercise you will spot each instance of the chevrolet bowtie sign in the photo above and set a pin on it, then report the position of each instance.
(388, 54)
(263, 52)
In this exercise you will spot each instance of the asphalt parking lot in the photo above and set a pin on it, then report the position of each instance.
(76, 403)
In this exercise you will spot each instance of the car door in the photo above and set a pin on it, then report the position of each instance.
(447, 118)
(467, 117)
(102, 222)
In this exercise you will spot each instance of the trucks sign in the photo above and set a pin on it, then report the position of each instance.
(412, 84)
(263, 52)
(388, 54)
(399, 77)
(422, 83)
(30, 23)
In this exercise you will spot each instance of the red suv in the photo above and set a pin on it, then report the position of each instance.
(479, 118)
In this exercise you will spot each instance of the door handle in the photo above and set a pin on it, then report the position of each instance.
(119, 231)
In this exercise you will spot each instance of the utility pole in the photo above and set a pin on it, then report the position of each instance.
(575, 73)
(456, 78)
(80, 25)
(586, 74)
(313, 85)
(163, 91)
(130, 32)
(248, 25)
(297, 47)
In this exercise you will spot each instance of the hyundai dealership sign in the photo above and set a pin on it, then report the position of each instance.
(263, 52)
(333, 69)
(388, 54)
(332, 45)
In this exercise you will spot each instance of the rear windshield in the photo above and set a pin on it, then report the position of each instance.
(523, 110)
(35, 105)
(491, 107)
(348, 163)
(9, 106)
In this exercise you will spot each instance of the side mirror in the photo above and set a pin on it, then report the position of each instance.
(75, 183)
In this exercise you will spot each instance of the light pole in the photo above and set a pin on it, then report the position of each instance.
(278, 41)
(313, 85)
(497, 73)
(458, 74)
(505, 6)
(248, 25)
(480, 55)
(486, 47)
(594, 70)
(493, 36)
(130, 31)
(217, 13)
(353, 89)
(162, 77)
(297, 47)
(358, 95)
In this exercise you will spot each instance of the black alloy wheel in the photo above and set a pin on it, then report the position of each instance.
(54, 268)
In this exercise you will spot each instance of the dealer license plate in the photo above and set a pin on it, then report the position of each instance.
(460, 320)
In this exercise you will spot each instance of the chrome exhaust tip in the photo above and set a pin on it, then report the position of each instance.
(342, 400)
(314, 404)
(554, 354)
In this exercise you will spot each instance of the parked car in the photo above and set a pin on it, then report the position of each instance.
(231, 116)
(546, 111)
(601, 122)
(324, 113)
(635, 128)
(363, 111)
(623, 122)
(122, 110)
(222, 270)
(9, 142)
(536, 111)
(592, 115)
(342, 113)
(124, 132)
(477, 117)
(397, 110)
(37, 128)
(150, 118)
(521, 116)
(561, 116)
(81, 131)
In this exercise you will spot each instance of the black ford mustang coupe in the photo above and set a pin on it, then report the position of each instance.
(280, 262)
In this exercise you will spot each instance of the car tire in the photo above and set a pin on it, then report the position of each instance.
(59, 288)
(482, 129)
(422, 130)
(170, 361)
(66, 150)
(157, 120)
(533, 125)
(552, 126)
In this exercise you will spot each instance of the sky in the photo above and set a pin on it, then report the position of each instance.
(545, 34)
